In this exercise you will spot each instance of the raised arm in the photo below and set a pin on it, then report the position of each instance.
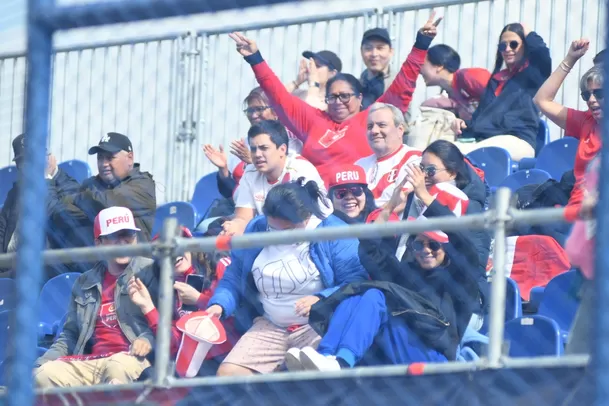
(401, 90)
(544, 99)
(293, 112)
(539, 53)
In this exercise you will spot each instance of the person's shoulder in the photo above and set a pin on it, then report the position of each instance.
(297, 162)
(366, 161)
(257, 224)
(332, 221)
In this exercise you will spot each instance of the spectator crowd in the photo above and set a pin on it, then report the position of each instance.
(341, 150)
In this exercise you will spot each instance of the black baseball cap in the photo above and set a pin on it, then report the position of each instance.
(327, 58)
(19, 147)
(112, 143)
(377, 33)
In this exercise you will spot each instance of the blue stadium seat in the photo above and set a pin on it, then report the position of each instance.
(53, 302)
(60, 324)
(559, 301)
(513, 304)
(185, 212)
(206, 192)
(533, 336)
(558, 157)
(536, 296)
(79, 170)
(7, 318)
(522, 178)
(8, 176)
(513, 300)
(543, 137)
(495, 162)
(8, 296)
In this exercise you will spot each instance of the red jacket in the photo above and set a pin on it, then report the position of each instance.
(327, 143)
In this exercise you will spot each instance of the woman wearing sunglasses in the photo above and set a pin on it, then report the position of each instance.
(351, 198)
(336, 136)
(506, 116)
(416, 310)
(583, 125)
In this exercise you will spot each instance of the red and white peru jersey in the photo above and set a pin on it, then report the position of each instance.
(383, 174)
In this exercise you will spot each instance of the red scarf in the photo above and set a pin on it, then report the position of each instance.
(504, 75)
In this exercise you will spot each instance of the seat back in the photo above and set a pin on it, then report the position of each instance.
(513, 300)
(558, 157)
(8, 296)
(184, 212)
(495, 162)
(8, 176)
(79, 170)
(533, 336)
(206, 192)
(55, 297)
(559, 300)
(522, 178)
(7, 321)
(543, 137)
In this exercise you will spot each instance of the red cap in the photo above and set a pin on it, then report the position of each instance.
(347, 175)
(470, 83)
(436, 235)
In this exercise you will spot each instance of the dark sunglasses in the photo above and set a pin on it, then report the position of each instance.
(598, 94)
(430, 171)
(250, 111)
(120, 235)
(419, 246)
(343, 97)
(356, 191)
(503, 46)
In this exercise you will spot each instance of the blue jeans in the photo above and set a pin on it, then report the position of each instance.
(361, 321)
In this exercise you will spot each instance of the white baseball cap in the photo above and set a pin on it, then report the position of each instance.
(113, 219)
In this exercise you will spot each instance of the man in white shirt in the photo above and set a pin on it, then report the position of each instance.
(387, 167)
(272, 165)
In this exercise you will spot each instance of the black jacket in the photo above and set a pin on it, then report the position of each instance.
(454, 289)
(73, 216)
(513, 111)
(62, 184)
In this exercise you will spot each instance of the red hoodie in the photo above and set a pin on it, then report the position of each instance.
(328, 144)
(176, 335)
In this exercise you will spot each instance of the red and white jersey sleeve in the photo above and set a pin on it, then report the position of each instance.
(254, 186)
(383, 174)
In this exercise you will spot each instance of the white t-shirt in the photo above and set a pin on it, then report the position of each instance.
(383, 174)
(253, 186)
(284, 274)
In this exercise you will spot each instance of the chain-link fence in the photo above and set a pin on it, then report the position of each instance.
(131, 87)
(175, 93)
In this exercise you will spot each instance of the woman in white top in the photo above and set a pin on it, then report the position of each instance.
(280, 283)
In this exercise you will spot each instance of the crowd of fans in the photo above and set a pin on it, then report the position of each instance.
(342, 151)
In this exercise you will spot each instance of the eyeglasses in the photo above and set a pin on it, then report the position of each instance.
(430, 171)
(343, 97)
(356, 191)
(250, 111)
(503, 46)
(419, 246)
(598, 94)
(120, 235)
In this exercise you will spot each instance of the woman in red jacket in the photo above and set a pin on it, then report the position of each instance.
(338, 136)
(189, 299)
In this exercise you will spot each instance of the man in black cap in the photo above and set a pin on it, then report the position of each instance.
(56, 178)
(377, 53)
(317, 69)
(119, 183)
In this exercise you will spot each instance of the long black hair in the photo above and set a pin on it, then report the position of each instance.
(453, 160)
(517, 29)
(295, 201)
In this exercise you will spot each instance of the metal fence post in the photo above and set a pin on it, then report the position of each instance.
(498, 285)
(600, 346)
(32, 191)
(163, 339)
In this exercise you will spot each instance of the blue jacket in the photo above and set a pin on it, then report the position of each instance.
(513, 111)
(337, 262)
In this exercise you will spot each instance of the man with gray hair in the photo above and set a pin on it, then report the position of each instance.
(387, 167)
